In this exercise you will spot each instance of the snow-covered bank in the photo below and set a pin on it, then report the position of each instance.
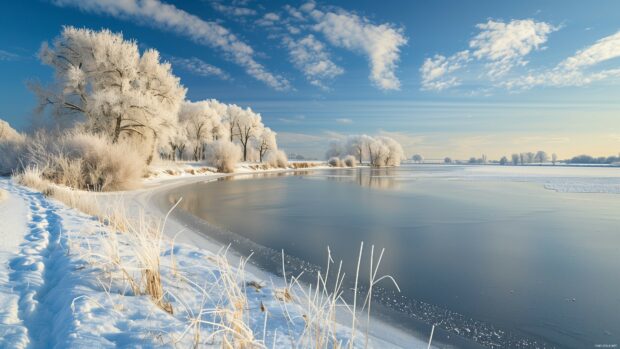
(150, 200)
(58, 287)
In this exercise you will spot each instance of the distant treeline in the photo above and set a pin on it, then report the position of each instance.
(587, 159)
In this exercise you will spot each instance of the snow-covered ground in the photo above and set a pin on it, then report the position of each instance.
(60, 288)
(570, 179)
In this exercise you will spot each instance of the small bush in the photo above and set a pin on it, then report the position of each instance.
(223, 155)
(76, 160)
(349, 161)
(334, 162)
(276, 158)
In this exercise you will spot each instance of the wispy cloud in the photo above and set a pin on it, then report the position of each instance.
(170, 18)
(268, 19)
(344, 121)
(498, 46)
(294, 119)
(380, 43)
(435, 71)
(198, 67)
(8, 56)
(504, 45)
(236, 11)
(309, 55)
(576, 70)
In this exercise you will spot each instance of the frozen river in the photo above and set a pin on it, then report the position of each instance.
(498, 255)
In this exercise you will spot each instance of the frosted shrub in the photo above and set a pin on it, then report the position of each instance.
(83, 161)
(334, 162)
(103, 165)
(276, 158)
(349, 161)
(223, 155)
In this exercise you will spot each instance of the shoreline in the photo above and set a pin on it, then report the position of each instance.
(184, 228)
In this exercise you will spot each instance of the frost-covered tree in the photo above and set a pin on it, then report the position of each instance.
(503, 160)
(335, 148)
(541, 156)
(395, 153)
(380, 151)
(358, 146)
(554, 158)
(249, 126)
(515, 159)
(529, 157)
(265, 142)
(447, 160)
(231, 119)
(203, 124)
(417, 158)
(104, 81)
(177, 143)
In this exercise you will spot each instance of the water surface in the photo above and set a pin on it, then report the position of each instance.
(499, 260)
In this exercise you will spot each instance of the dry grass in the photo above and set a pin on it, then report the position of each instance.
(320, 303)
(297, 165)
(3, 195)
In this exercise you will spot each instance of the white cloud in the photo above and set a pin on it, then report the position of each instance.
(604, 49)
(380, 43)
(170, 18)
(268, 20)
(498, 47)
(233, 10)
(309, 6)
(8, 56)
(344, 121)
(435, 71)
(310, 57)
(505, 45)
(294, 119)
(575, 70)
(295, 13)
(199, 67)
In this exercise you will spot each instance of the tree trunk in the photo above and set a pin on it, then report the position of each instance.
(117, 129)
(153, 146)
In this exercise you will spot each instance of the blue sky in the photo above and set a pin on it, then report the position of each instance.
(446, 78)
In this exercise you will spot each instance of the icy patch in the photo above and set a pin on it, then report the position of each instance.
(584, 187)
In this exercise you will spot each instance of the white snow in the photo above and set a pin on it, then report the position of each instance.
(56, 290)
